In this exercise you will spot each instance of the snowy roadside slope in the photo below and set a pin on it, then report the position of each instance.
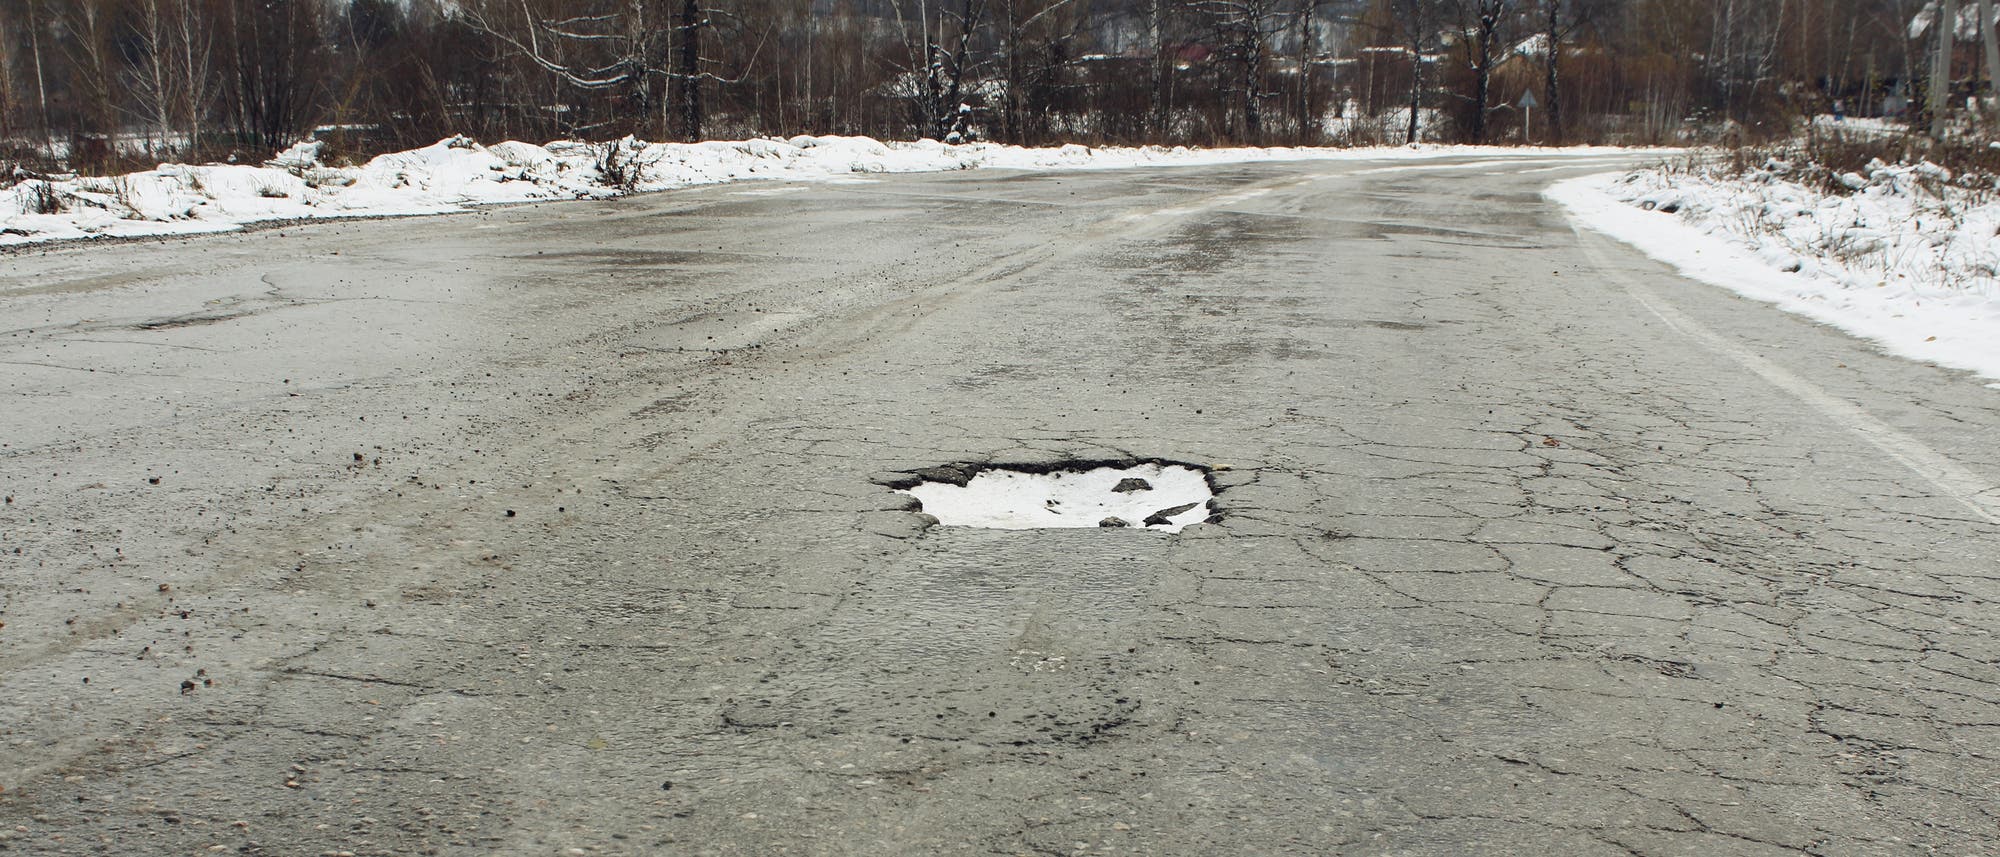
(452, 174)
(1890, 263)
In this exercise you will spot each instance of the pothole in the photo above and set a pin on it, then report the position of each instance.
(1150, 495)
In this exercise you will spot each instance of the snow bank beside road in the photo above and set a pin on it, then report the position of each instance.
(1905, 260)
(455, 173)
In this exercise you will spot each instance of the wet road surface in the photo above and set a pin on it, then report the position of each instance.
(563, 529)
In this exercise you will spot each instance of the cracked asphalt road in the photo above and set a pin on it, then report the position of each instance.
(557, 529)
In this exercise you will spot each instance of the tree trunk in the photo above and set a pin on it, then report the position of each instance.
(1012, 76)
(1303, 108)
(687, 69)
(636, 63)
(1482, 70)
(1161, 72)
(950, 121)
(193, 73)
(89, 25)
(1945, 26)
(1552, 73)
(1991, 46)
(1253, 120)
(41, 82)
(7, 99)
(158, 85)
(1416, 74)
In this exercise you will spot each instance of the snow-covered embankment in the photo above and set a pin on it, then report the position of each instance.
(1905, 257)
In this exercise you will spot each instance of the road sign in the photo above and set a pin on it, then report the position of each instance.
(1528, 101)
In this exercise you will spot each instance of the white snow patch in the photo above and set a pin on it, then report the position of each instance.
(1864, 127)
(1903, 269)
(1014, 500)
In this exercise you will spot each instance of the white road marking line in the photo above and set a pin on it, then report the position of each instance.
(1948, 476)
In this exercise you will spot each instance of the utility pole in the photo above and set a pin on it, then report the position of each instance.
(1946, 26)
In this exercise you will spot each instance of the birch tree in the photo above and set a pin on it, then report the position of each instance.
(1306, 51)
(192, 65)
(1242, 30)
(94, 69)
(35, 24)
(1744, 39)
(151, 42)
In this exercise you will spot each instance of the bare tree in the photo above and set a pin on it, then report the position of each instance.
(1306, 51)
(1559, 20)
(594, 46)
(939, 62)
(1488, 23)
(613, 45)
(1944, 29)
(1160, 71)
(94, 71)
(1033, 49)
(1418, 20)
(191, 65)
(273, 68)
(687, 75)
(1088, 70)
(1242, 31)
(151, 33)
(1744, 40)
(35, 24)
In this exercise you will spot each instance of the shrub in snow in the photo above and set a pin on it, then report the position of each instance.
(42, 197)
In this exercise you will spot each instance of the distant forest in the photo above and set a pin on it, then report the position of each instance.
(107, 82)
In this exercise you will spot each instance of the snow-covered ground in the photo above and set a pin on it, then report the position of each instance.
(455, 173)
(1860, 126)
(1389, 126)
(1906, 258)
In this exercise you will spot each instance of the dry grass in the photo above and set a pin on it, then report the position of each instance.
(43, 198)
(1871, 203)
(622, 167)
(1962, 166)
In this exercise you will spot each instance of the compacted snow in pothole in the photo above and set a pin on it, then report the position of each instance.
(1163, 497)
